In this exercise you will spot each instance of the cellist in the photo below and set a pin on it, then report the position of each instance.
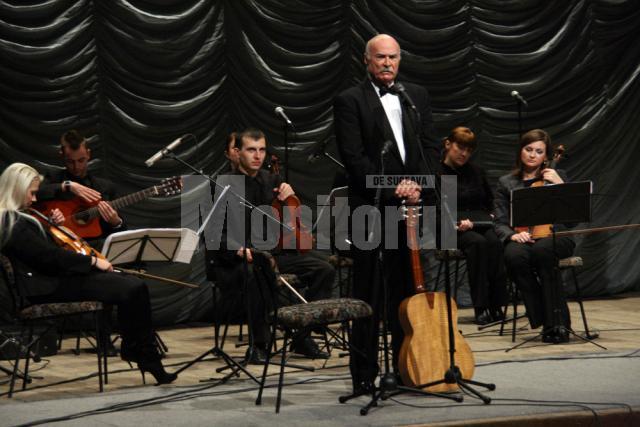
(47, 273)
(260, 187)
(530, 263)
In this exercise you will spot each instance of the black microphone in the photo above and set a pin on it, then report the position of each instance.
(168, 149)
(317, 153)
(398, 88)
(280, 112)
(518, 97)
(386, 147)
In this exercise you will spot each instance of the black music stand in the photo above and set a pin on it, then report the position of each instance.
(552, 204)
(136, 247)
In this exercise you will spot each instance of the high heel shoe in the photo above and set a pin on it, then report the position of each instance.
(156, 369)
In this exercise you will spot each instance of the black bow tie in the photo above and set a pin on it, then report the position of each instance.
(385, 90)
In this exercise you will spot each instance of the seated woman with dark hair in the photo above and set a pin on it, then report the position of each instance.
(476, 234)
(531, 263)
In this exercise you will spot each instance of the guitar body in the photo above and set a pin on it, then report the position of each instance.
(424, 355)
(84, 226)
(83, 219)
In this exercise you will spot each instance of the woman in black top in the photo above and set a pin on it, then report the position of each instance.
(531, 263)
(476, 234)
(47, 273)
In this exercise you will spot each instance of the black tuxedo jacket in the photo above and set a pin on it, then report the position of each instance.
(362, 127)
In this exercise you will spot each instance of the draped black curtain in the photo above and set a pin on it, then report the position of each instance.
(135, 75)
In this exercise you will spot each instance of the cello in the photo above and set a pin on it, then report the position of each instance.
(288, 211)
(424, 354)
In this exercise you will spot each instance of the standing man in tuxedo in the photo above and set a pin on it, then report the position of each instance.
(365, 117)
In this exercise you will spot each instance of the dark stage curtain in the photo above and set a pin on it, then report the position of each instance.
(137, 74)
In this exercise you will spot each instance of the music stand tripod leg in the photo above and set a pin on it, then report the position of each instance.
(453, 375)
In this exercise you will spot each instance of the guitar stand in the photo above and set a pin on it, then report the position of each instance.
(453, 374)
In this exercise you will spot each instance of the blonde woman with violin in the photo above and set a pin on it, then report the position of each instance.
(476, 234)
(47, 273)
(530, 263)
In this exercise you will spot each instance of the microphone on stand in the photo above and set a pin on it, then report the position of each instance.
(317, 153)
(280, 113)
(398, 89)
(162, 153)
(516, 95)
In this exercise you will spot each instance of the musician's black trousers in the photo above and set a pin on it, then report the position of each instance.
(130, 294)
(531, 267)
(485, 265)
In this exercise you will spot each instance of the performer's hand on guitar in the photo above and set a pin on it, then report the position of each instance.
(87, 194)
(109, 214)
(284, 190)
(241, 252)
(408, 189)
(56, 216)
(464, 225)
(522, 237)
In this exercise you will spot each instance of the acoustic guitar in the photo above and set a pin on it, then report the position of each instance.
(424, 355)
(84, 218)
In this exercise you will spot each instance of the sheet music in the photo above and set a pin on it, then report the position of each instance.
(164, 244)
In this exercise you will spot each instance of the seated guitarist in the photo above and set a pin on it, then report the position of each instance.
(76, 182)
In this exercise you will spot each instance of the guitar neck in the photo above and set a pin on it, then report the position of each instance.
(118, 203)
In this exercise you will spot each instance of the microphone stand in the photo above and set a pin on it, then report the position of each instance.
(519, 105)
(216, 350)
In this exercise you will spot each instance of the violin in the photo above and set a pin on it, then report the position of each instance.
(288, 211)
(70, 241)
(424, 354)
(543, 230)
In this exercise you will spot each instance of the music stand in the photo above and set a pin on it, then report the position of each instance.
(151, 244)
(552, 204)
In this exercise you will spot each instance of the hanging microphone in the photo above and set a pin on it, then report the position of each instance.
(280, 112)
(398, 88)
(518, 97)
(160, 154)
(386, 147)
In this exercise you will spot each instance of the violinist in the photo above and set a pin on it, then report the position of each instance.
(46, 273)
(530, 263)
(260, 188)
(476, 234)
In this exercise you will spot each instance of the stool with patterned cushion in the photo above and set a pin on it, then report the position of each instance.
(28, 315)
(305, 316)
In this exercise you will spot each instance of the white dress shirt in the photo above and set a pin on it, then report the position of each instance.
(393, 110)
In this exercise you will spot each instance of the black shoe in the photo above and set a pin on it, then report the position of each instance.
(256, 357)
(483, 318)
(308, 348)
(497, 315)
(555, 336)
(156, 369)
(361, 388)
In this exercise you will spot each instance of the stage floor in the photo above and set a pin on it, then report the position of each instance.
(536, 383)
